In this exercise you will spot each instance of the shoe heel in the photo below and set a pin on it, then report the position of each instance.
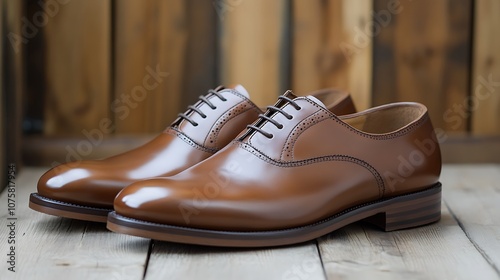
(411, 210)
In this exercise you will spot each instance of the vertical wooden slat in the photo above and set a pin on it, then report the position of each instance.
(36, 66)
(200, 72)
(332, 47)
(150, 36)
(78, 68)
(3, 132)
(423, 55)
(254, 46)
(485, 96)
(13, 81)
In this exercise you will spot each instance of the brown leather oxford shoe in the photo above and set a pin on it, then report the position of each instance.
(85, 190)
(297, 173)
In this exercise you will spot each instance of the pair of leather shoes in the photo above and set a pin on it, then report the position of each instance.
(227, 174)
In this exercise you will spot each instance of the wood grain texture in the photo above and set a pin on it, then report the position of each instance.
(332, 47)
(78, 71)
(423, 55)
(176, 261)
(254, 47)
(150, 37)
(473, 196)
(200, 71)
(55, 248)
(438, 251)
(485, 93)
(48, 247)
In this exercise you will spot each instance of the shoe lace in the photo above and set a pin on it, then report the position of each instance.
(202, 99)
(270, 111)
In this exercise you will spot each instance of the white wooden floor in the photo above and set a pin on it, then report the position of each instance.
(465, 244)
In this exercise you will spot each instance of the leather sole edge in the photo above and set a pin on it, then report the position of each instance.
(400, 212)
(67, 210)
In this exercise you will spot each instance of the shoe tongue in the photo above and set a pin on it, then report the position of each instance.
(289, 94)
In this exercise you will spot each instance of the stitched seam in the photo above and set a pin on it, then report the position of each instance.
(399, 133)
(173, 131)
(72, 204)
(291, 149)
(345, 158)
(288, 104)
(221, 124)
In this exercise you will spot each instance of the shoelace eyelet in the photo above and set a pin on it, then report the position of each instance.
(267, 117)
(203, 99)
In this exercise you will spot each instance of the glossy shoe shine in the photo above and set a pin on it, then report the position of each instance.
(297, 173)
(85, 190)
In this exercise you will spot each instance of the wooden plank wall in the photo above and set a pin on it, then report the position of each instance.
(98, 52)
(255, 47)
(97, 73)
(485, 90)
(332, 47)
(174, 43)
(423, 55)
(78, 67)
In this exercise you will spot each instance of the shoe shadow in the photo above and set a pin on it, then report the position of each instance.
(58, 225)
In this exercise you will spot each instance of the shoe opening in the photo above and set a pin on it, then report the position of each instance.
(387, 118)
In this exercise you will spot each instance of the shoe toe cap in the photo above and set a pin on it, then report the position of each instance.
(80, 184)
(154, 200)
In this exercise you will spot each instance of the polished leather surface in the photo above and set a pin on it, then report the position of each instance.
(183, 144)
(315, 166)
(96, 183)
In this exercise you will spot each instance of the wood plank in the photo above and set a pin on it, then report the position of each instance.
(200, 71)
(3, 116)
(438, 251)
(77, 45)
(48, 247)
(423, 55)
(486, 68)
(150, 36)
(254, 47)
(13, 80)
(472, 193)
(177, 261)
(332, 47)
(36, 74)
